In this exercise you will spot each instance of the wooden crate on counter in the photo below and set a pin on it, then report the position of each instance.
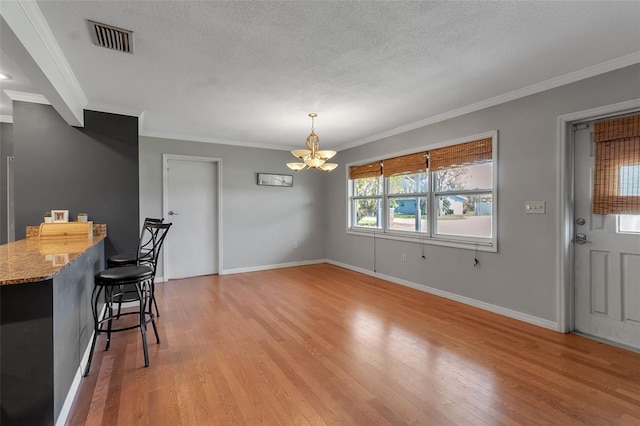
(66, 229)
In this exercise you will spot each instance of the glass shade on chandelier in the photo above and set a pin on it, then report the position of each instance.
(312, 157)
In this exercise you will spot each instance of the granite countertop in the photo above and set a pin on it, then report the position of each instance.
(34, 259)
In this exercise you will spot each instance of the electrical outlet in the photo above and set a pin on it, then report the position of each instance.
(534, 207)
(404, 257)
(295, 244)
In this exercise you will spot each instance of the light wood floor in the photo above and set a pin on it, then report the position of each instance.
(321, 345)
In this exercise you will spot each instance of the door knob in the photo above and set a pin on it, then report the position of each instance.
(172, 213)
(581, 239)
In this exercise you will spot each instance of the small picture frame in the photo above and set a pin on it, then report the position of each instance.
(269, 179)
(60, 259)
(60, 216)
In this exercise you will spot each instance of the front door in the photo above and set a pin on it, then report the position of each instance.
(191, 205)
(607, 257)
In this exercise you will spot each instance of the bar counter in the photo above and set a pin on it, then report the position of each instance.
(33, 259)
(45, 323)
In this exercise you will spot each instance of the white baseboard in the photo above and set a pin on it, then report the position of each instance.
(540, 322)
(267, 267)
(75, 385)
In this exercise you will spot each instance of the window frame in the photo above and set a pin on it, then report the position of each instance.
(430, 236)
(617, 144)
(465, 192)
(386, 207)
(354, 198)
(619, 230)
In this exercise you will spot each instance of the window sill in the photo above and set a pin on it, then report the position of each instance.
(418, 239)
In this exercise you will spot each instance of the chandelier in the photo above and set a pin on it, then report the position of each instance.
(313, 157)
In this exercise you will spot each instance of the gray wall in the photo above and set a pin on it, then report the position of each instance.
(522, 275)
(260, 223)
(6, 150)
(93, 169)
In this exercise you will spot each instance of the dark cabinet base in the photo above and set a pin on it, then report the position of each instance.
(45, 327)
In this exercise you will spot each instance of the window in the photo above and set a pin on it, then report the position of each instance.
(617, 175)
(463, 177)
(406, 190)
(629, 186)
(629, 224)
(617, 169)
(368, 202)
(367, 195)
(629, 180)
(407, 201)
(443, 196)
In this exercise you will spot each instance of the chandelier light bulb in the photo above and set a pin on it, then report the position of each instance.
(296, 167)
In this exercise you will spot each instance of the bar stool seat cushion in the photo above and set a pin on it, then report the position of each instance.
(123, 274)
(122, 259)
(127, 259)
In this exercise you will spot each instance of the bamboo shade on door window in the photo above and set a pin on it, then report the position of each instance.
(467, 153)
(405, 164)
(365, 170)
(616, 188)
(618, 128)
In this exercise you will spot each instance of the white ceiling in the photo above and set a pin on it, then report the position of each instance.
(249, 72)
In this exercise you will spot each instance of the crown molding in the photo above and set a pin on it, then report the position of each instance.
(34, 14)
(190, 138)
(31, 44)
(6, 119)
(562, 80)
(34, 98)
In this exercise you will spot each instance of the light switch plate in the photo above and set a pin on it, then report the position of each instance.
(535, 207)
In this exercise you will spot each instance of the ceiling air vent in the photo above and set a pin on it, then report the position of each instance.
(111, 37)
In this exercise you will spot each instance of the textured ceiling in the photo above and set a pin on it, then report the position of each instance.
(250, 72)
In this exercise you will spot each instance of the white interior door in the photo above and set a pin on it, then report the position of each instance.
(191, 205)
(607, 260)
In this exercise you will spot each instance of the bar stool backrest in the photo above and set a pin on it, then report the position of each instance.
(151, 239)
(153, 220)
(144, 235)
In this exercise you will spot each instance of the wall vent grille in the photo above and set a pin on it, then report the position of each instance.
(111, 37)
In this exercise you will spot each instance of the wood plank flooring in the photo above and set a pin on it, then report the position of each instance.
(322, 345)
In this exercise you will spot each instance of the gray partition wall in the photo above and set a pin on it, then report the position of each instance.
(93, 169)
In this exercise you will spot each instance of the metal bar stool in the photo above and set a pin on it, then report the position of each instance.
(141, 257)
(114, 286)
(127, 259)
(107, 288)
